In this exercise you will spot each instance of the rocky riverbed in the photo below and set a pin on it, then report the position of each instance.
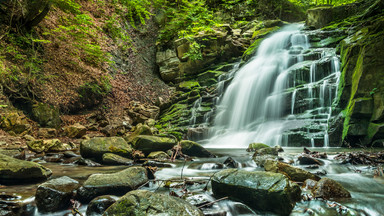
(260, 181)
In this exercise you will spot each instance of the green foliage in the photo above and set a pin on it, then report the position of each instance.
(309, 3)
(135, 10)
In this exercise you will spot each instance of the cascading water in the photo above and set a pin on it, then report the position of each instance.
(284, 89)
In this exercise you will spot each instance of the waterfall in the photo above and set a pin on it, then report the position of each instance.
(256, 106)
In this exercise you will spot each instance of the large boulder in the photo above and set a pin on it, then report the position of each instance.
(140, 202)
(194, 149)
(140, 129)
(293, 173)
(14, 170)
(148, 144)
(117, 183)
(46, 115)
(55, 194)
(263, 191)
(97, 146)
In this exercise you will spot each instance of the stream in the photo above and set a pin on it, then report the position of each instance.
(366, 190)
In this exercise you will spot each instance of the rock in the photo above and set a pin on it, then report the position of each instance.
(148, 144)
(139, 113)
(330, 189)
(98, 205)
(39, 146)
(261, 159)
(46, 115)
(113, 159)
(14, 122)
(29, 137)
(117, 183)
(47, 133)
(97, 146)
(230, 163)
(75, 131)
(266, 151)
(140, 129)
(256, 146)
(187, 86)
(159, 155)
(293, 173)
(305, 159)
(309, 184)
(264, 191)
(194, 149)
(10, 205)
(55, 194)
(140, 202)
(14, 170)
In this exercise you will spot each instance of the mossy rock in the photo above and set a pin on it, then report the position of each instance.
(15, 171)
(148, 144)
(194, 149)
(142, 202)
(117, 183)
(264, 191)
(257, 146)
(188, 85)
(15, 122)
(46, 115)
(139, 130)
(96, 147)
(114, 159)
(159, 155)
(293, 173)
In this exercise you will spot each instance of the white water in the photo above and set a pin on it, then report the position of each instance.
(252, 109)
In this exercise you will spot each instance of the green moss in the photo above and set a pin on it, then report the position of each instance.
(188, 85)
(251, 49)
(264, 32)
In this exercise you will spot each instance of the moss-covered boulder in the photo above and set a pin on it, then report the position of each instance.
(148, 144)
(46, 115)
(141, 203)
(188, 85)
(263, 191)
(15, 171)
(194, 149)
(96, 147)
(114, 159)
(15, 122)
(55, 194)
(117, 183)
(293, 173)
(47, 145)
(75, 131)
(256, 146)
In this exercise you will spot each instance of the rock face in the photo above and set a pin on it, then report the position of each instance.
(117, 183)
(293, 173)
(330, 189)
(148, 144)
(321, 16)
(55, 194)
(14, 170)
(361, 83)
(140, 202)
(96, 147)
(194, 149)
(46, 115)
(263, 191)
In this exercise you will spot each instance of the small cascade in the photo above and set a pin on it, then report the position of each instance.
(293, 101)
(195, 108)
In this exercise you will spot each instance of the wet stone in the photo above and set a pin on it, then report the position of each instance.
(98, 205)
(55, 194)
